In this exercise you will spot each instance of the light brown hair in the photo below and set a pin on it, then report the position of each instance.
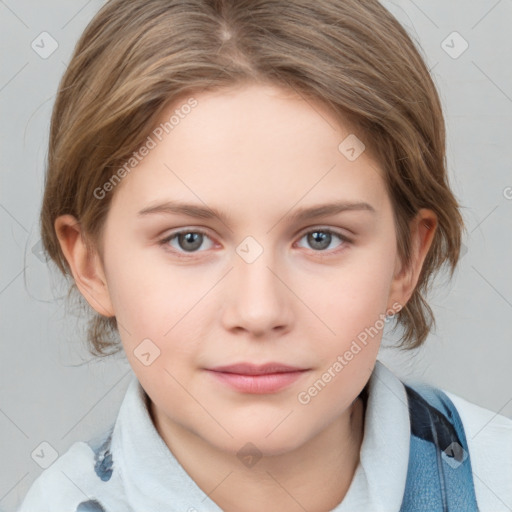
(136, 57)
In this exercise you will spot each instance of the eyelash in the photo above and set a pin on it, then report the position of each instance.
(179, 254)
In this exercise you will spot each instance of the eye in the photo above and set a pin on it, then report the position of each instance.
(188, 241)
(320, 239)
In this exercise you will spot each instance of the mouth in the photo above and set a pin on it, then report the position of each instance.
(257, 379)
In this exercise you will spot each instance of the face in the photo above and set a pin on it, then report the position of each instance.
(264, 282)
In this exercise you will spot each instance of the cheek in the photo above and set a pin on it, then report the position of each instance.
(148, 297)
(352, 295)
(354, 307)
(160, 304)
(352, 304)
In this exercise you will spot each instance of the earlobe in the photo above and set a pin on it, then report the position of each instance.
(85, 265)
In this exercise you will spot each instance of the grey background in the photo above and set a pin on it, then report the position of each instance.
(49, 391)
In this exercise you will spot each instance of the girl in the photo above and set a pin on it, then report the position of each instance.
(246, 193)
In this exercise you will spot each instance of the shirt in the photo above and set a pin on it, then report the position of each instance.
(131, 468)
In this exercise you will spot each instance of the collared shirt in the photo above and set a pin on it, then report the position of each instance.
(131, 469)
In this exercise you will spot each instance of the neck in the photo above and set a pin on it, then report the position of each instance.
(315, 477)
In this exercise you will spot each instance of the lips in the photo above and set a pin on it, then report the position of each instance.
(252, 369)
(257, 379)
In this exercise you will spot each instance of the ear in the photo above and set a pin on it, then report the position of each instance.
(422, 229)
(85, 265)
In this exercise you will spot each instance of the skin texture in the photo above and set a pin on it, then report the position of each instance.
(257, 153)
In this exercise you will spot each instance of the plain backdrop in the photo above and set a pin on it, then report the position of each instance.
(50, 388)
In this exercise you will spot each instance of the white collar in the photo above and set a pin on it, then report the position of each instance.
(379, 480)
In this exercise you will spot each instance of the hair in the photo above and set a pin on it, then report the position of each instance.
(137, 57)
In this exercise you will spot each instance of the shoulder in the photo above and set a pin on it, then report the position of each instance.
(489, 438)
(58, 488)
(72, 483)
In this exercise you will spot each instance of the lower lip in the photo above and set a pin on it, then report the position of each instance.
(258, 384)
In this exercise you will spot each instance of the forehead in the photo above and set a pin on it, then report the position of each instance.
(252, 146)
(259, 121)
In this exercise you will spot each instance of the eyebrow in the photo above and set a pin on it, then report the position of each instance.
(298, 215)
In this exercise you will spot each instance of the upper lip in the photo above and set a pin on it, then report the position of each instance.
(254, 369)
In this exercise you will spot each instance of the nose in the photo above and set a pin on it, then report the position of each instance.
(257, 299)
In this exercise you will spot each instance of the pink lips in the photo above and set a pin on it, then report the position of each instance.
(259, 379)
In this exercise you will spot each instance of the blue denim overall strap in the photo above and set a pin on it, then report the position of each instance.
(439, 475)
